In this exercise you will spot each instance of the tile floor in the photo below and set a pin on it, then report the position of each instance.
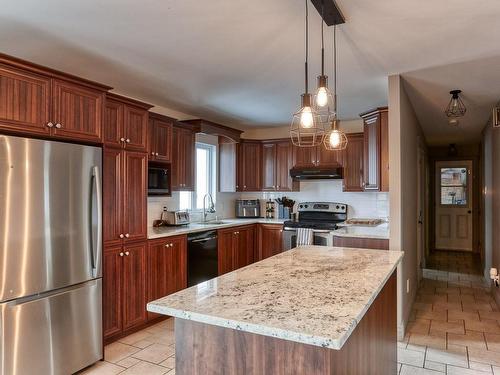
(454, 329)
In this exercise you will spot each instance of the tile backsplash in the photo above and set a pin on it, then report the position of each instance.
(366, 204)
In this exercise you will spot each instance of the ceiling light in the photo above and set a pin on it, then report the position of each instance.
(456, 107)
(323, 99)
(306, 129)
(335, 139)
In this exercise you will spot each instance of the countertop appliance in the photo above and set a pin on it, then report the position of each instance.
(202, 257)
(51, 256)
(158, 180)
(247, 208)
(321, 217)
(176, 217)
(334, 173)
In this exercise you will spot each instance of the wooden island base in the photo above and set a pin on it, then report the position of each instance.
(204, 349)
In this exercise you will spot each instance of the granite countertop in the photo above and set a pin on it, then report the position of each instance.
(312, 294)
(159, 232)
(380, 231)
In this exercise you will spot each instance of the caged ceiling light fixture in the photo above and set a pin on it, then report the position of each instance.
(306, 129)
(456, 107)
(323, 99)
(335, 139)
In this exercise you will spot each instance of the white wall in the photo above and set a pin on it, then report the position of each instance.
(404, 132)
(487, 194)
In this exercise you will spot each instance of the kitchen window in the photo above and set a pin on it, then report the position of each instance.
(205, 178)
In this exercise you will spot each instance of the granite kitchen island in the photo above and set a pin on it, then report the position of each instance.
(310, 310)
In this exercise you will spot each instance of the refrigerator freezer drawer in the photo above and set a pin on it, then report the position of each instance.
(59, 333)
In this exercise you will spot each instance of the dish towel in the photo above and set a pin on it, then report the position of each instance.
(304, 236)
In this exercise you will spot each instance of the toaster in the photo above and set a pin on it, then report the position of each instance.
(248, 208)
(176, 217)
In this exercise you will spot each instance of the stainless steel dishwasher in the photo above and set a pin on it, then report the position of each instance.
(202, 257)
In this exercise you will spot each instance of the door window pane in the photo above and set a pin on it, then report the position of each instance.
(454, 186)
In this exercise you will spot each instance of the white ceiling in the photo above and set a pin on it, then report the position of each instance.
(240, 62)
(428, 90)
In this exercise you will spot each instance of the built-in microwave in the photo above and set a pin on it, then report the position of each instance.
(158, 180)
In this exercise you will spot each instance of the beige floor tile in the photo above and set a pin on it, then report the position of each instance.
(103, 368)
(411, 357)
(422, 306)
(447, 306)
(437, 341)
(491, 315)
(480, 367)
(452, 327)
(128, 362)
(448, 290)
(145, 368)
(432, 298)
(454, 315)
(454, 370)
(435, 366)
(493, 341)
(484, 356)
(169, 362)
(461, 298)
(471, 339)
(496, 370)
(143, 344)
(135, 337)
(412, 370)
(490, 326)
(432, 315)
(165, 338)
(117, 351)
(155, 353)
(419, 326)
(454, 355)
(477, 306)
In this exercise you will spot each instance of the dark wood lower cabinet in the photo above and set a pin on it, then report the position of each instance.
(167, 267)
(270, 240)
(361, 243)
(112, 291)
(236, 247)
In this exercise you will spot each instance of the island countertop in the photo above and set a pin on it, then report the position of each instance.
(312, 294)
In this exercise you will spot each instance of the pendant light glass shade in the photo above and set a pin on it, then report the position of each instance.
(335, 139)
(323, 101)
(456, 107)
(306, 129)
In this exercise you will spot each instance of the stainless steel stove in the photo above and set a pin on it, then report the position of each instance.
(321, 217)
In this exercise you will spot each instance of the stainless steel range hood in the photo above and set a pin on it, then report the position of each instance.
(334, 173)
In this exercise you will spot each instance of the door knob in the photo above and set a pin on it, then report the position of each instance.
(127, 140)
(127, 235)
(121, 235)
(156, 154)
(58, 126)
(121, 254)
(152, 153)
(49, 124)
(122, 139)
(127, 253)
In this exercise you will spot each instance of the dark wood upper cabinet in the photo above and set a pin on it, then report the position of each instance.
(269, 170)
(134, 285)
(328, 158)
(249, 166)
(126, 123)
(373, 122)
(227, 167)
(112, 200)
(285, 162)
(167, 267)
(384, 151)
(135, 195)
(160, 138)
(353, 163)
(270, 240)
(77, 111)
(305, 157)
(183, 162)
(24, 101)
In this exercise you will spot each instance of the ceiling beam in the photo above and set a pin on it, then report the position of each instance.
(332, 13)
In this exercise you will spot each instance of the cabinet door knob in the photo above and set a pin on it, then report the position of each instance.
(156, 154)
(152, 153)
(244, 186)
(171, 245)
(121, 254)
(122, 139)
(127, 235)
(49, 124)
(58, 126)
(121, 235)
(127, 140)
(127, 253)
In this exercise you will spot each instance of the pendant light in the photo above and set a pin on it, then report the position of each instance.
(306, 129)
(456, 107)
(323, 99)
(335, 139)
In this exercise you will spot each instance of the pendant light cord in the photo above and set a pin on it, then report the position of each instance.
(307, 50)
(335, 68)
(322, 38)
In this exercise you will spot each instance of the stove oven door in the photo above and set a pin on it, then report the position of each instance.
(320, 238)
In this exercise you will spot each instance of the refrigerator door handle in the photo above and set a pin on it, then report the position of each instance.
(96, 243)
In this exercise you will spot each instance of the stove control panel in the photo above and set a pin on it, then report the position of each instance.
(339, 208)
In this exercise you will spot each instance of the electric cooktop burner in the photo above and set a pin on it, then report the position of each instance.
(319, 215)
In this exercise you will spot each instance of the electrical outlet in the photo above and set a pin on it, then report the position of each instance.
(407, 285)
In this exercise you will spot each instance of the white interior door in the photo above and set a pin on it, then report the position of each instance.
(454, 205)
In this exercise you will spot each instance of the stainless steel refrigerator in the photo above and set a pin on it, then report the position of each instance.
(50, 256)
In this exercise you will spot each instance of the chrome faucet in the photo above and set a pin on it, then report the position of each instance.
(211, 206)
